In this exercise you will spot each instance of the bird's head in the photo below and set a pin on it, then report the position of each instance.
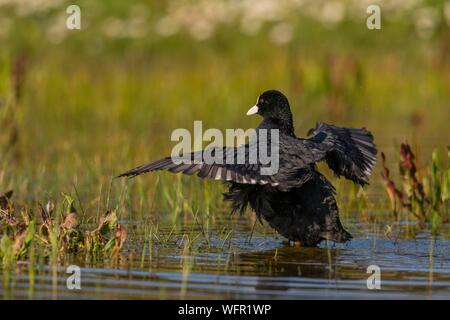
(272, 104)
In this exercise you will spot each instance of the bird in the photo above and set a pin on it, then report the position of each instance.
(297, 200)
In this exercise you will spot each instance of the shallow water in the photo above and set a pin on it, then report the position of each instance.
(266, 267)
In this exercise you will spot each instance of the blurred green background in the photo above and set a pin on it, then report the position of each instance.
(80, 106)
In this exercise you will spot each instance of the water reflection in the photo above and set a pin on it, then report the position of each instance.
(409, 269)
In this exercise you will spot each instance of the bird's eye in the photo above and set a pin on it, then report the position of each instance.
(261, 100)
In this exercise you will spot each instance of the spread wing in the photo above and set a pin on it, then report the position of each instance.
(349, 152)
(219, 163)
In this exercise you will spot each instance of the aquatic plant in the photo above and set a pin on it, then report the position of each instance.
(57, 231)
(425, 198)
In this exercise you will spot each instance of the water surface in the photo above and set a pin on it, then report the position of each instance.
(266, 267)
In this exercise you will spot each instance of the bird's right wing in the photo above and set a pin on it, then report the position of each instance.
(349, 152)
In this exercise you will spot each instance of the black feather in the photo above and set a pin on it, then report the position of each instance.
(296, 200)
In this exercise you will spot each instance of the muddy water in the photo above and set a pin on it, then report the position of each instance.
(266, 267)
